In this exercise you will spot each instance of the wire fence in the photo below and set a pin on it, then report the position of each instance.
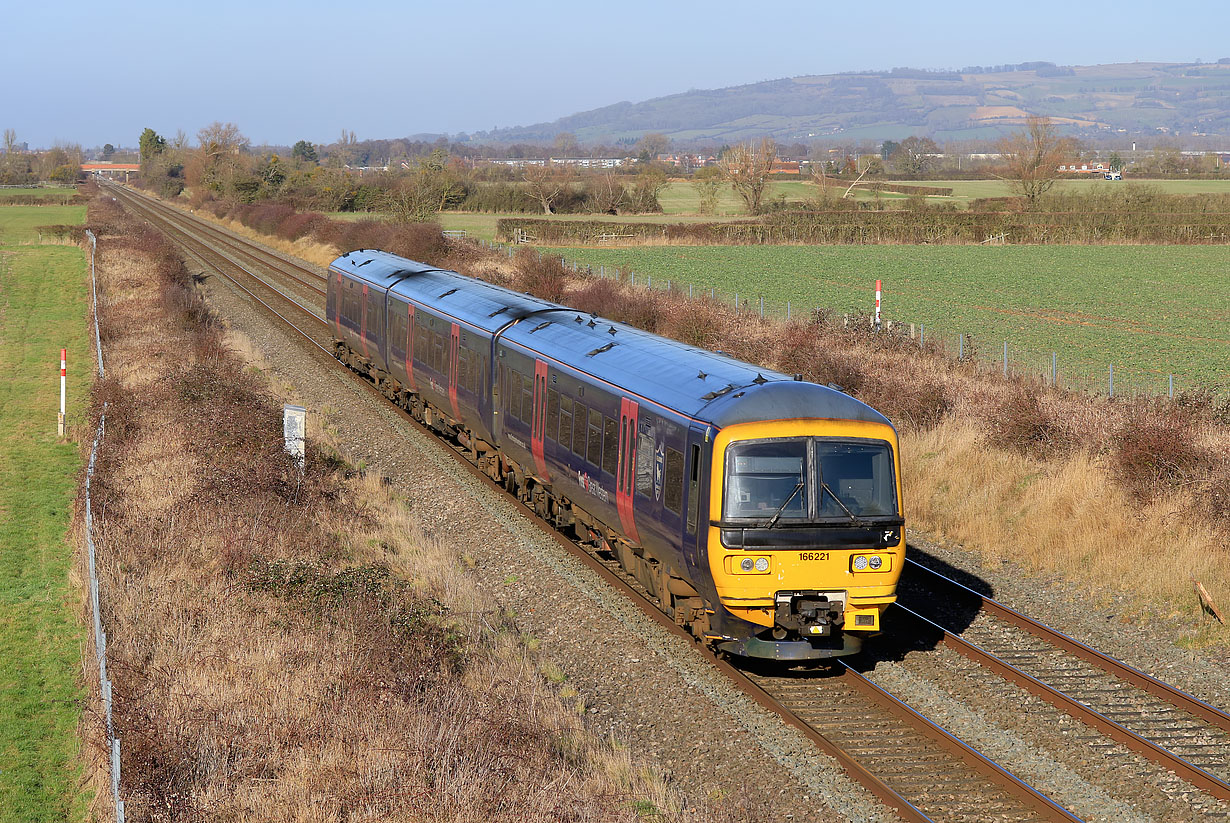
(984, 354)
(100, 636)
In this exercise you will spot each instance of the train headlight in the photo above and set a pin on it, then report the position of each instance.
(762, 564)
(747, 564)
(860, 563)
(876, 562)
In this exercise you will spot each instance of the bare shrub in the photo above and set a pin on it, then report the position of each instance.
(418, 241)
(540, 276)
(1024, 425)
(1156, 449)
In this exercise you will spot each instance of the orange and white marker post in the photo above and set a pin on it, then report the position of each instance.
(877, 321)
(63, 378)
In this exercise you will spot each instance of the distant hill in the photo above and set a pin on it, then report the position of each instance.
(975, 103)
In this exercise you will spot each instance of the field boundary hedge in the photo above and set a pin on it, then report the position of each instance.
(863, 227)
(899, 188)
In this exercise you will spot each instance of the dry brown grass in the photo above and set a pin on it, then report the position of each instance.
(289, 647)
(1081, 486)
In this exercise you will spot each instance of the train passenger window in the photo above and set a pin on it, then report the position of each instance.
(593, 452)
(514, 394)
(579, 418)
(644, 464)
(552, 414)
(422, 349)
(672, 481)
(527, 400)
(694, 490)
(437, 352)
(610, 447)
(565, 421)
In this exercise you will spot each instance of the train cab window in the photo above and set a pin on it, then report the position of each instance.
(694, 490)
(672, 481)
(552, 414)
(610, 447)
(593, 452)
(766, 477)
(580, 416)
(565, 421)
(855, 478)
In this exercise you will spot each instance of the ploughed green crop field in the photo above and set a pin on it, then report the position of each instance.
(1149, 311)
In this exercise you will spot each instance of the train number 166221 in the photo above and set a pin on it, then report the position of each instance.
(813, 555)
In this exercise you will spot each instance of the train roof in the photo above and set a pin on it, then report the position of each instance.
(703, 385)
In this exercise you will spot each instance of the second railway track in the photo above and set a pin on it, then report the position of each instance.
(911, 764)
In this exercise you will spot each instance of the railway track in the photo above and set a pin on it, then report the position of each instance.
(908, 762)
(1173, 729)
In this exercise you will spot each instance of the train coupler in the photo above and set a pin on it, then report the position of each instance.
(808, 613)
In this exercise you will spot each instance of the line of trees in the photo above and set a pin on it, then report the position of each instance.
(18, 167)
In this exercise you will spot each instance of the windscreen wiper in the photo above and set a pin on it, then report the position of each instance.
(798, 487)
(858, 521)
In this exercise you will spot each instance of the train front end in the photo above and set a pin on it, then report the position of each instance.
(806, 537)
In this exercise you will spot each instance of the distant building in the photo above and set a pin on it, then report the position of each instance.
(1084, 168)
(591, 162)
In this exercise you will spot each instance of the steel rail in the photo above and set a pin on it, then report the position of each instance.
(1145, 682)
(1193, 774)
(254, 253)
(1033, 800)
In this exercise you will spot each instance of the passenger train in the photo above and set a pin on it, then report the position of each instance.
(762, 512)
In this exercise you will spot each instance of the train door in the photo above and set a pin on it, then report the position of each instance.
(336, 303)
(454, 344)
(625, 473)
(410, 346)
(538, 424)
(363, 322)
(499, 389)
(695, 486)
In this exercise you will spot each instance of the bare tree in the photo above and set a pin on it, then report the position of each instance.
(649, 184)
(566, 145)
(651, 145)
(10, 141)
(546, 183)
(707, 182)
(746, 167)
(1032, 158)
(605, 193)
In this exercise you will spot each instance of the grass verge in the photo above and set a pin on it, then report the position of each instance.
(288, 646)
(42, 309)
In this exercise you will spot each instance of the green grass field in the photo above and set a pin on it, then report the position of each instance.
(19, 224)
(42, 308)
(1149, 310)
(41, 192)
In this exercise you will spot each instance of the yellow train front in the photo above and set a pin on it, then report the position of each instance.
(805, 538)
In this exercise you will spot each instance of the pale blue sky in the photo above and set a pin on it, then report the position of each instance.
(101, 71)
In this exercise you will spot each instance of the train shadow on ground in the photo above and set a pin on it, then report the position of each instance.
(950, 608)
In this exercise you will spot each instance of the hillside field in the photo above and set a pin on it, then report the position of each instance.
(42, 308)
(1149, 310)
